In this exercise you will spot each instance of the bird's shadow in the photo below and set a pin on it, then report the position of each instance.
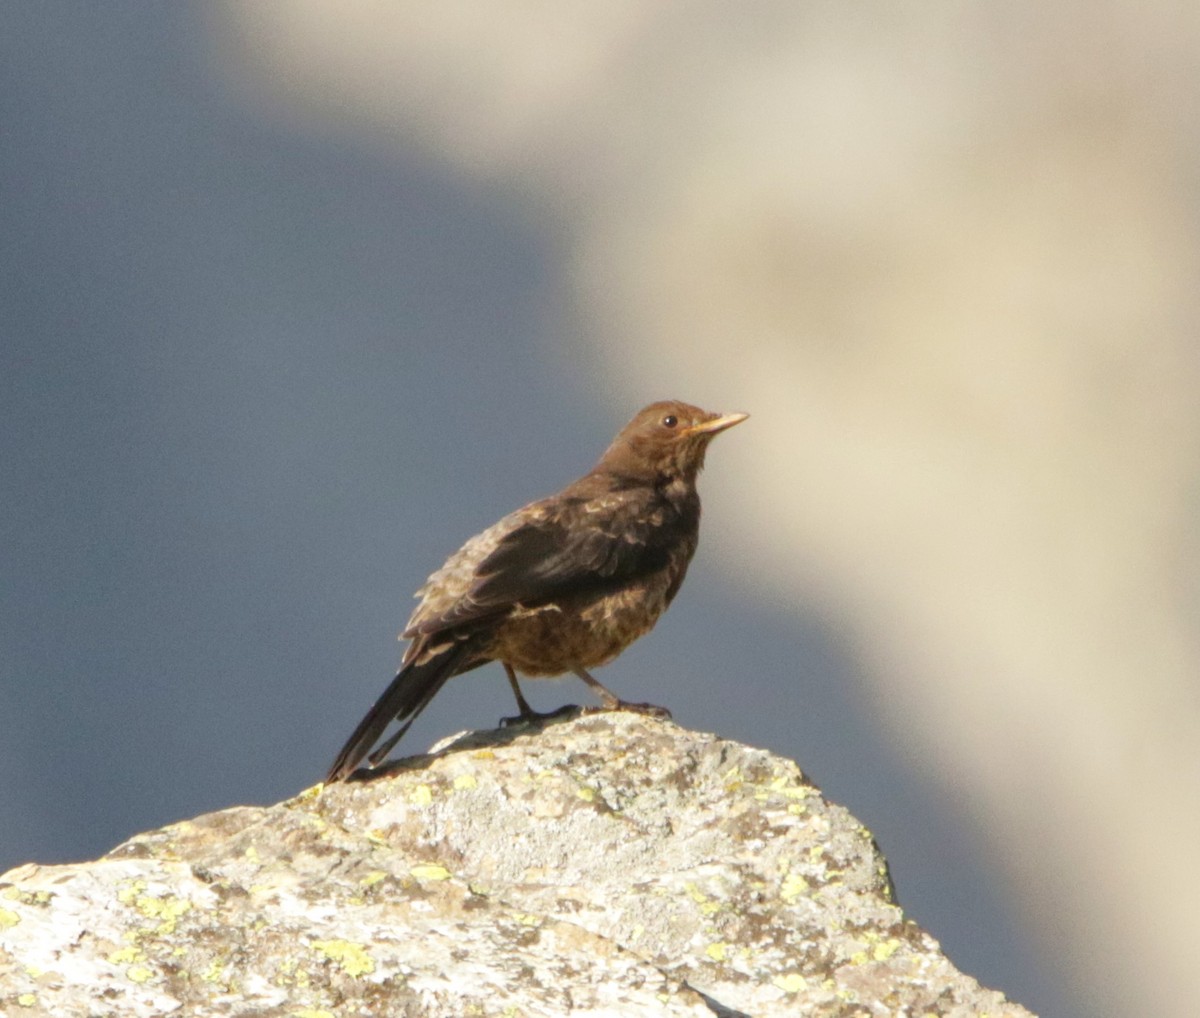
(484, 738)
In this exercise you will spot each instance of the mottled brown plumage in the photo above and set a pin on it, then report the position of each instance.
(563, 584)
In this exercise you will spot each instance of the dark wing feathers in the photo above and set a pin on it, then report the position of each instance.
(585, 544)
(537, 561)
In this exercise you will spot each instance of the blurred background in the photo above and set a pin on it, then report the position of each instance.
(297, 296)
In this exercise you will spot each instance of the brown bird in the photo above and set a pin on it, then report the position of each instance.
(563, 584)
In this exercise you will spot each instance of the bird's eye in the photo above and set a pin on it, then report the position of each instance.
(670, 421)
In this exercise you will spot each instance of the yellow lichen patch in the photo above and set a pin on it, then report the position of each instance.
(888, 891)
(586, 794)
(353, 958)
(484, 754)
(252, 855)
(8, 918)
(422, 795)
(27, 1000)
(166, 909)
(783, 786)
(858, 958)
(126, 955)
(312, 1012)
(790, 982)
(732, 779)
(793, 886)
(430, 871)
(377, 837)
(139, 973)
(527, 918)
(707, 907)
(465, 781)
(128, 891)
(372, 878)
(796, 808)
(884, 951)
(716, 951)
(309, 793)
(215, 971)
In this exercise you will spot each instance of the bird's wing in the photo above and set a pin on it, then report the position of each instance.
(552, 548)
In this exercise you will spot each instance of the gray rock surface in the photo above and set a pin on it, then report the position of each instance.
(607, 865)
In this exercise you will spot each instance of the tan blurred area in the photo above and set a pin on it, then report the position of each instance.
(947, 256)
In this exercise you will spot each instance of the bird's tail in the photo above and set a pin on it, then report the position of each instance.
(413, 687)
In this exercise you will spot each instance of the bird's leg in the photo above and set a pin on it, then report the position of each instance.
(614, 702)
(522, 703)
(528, 714)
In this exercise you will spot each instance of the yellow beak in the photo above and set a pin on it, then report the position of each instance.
(711, 427)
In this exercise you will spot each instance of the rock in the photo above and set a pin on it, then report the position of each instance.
(607, 865)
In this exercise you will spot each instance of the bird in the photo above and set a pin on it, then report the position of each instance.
(563, 584)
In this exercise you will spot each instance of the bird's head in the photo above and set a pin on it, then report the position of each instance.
(665, 440)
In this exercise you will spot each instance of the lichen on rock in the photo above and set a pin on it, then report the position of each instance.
(611, 864)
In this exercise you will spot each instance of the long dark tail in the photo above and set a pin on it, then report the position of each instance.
(413, 687)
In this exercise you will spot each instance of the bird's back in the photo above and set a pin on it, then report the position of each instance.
(596, 534)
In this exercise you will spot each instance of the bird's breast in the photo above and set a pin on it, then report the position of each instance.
(584, 631)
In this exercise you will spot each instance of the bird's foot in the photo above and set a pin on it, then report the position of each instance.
(649, 709)
(536, 717)
(613, 702)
